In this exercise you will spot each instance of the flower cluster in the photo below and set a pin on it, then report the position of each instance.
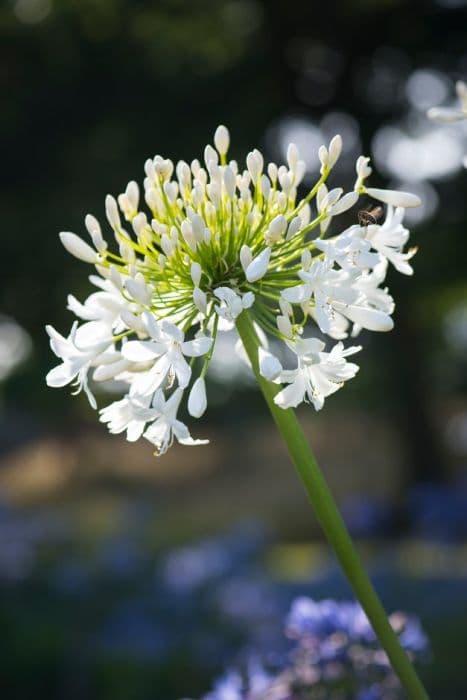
(449, 115)
(217, 241)
(334, 655)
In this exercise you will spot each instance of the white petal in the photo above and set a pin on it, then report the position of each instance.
(284, 326)
(269, 366)
(248, 300)
(183, 436)
(111, 211)
(335, 148)
(245, 256)
(141, 350)
(292, 395)
(222, 139)
(79, 309)
(91, 334)
(60, 345)
(60, 376)
(371, 319)
(295, 295)
(197, 346)
(258, 266)
(151, 325)
(77, 247)
(395, 197)
(146, 383)
(331, 198)
(200, 300)
(181, 368)
(197, 400)
(170, 407)
(132, 321)
(293, 228)
(139, 291)
(105, 372)
(172, 331)
(345, 203)
(196, 273)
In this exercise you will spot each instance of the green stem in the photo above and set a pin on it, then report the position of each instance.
(331, 521)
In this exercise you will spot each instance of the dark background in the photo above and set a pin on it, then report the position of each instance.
(88, 91)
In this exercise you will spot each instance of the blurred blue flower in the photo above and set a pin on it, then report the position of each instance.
(72, 576)
(132, 631)
(229, 687)
(411, 634)
(321, 619)
(439, 511)
(334, 655)
(120, 557)
(367, 516)
(375, 692)
(189, 568)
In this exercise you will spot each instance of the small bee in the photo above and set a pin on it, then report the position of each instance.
(367, 217)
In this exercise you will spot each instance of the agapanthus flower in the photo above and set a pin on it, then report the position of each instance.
(449, 115)
(214, 241)
(334, 654)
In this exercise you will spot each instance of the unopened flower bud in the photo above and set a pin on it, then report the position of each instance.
(197, 400)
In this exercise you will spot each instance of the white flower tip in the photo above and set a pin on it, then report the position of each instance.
(92, 224)
(292, 155)
(196, 273)
(406, 200)
(245, 256)
(284, 326)
(269, 366)
(222, 139)
(258, 266)
(200, 300)
(197, 400)
(78, 248)
(346, 202)
(335, 149)
(248, 300)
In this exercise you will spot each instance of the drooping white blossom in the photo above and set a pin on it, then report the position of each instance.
(205, 242)
(79, 352)
(131, 414)
(318, 373)
(166, 426)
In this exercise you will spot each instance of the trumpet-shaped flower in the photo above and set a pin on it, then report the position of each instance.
(202, 244)
(131, 414)
(390, 238)
(318, 373)
(165, 352)
(80, 351)
(166, 426)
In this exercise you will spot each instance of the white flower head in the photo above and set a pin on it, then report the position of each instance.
(201, 244)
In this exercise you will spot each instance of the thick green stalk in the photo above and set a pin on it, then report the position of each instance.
(328, 515)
